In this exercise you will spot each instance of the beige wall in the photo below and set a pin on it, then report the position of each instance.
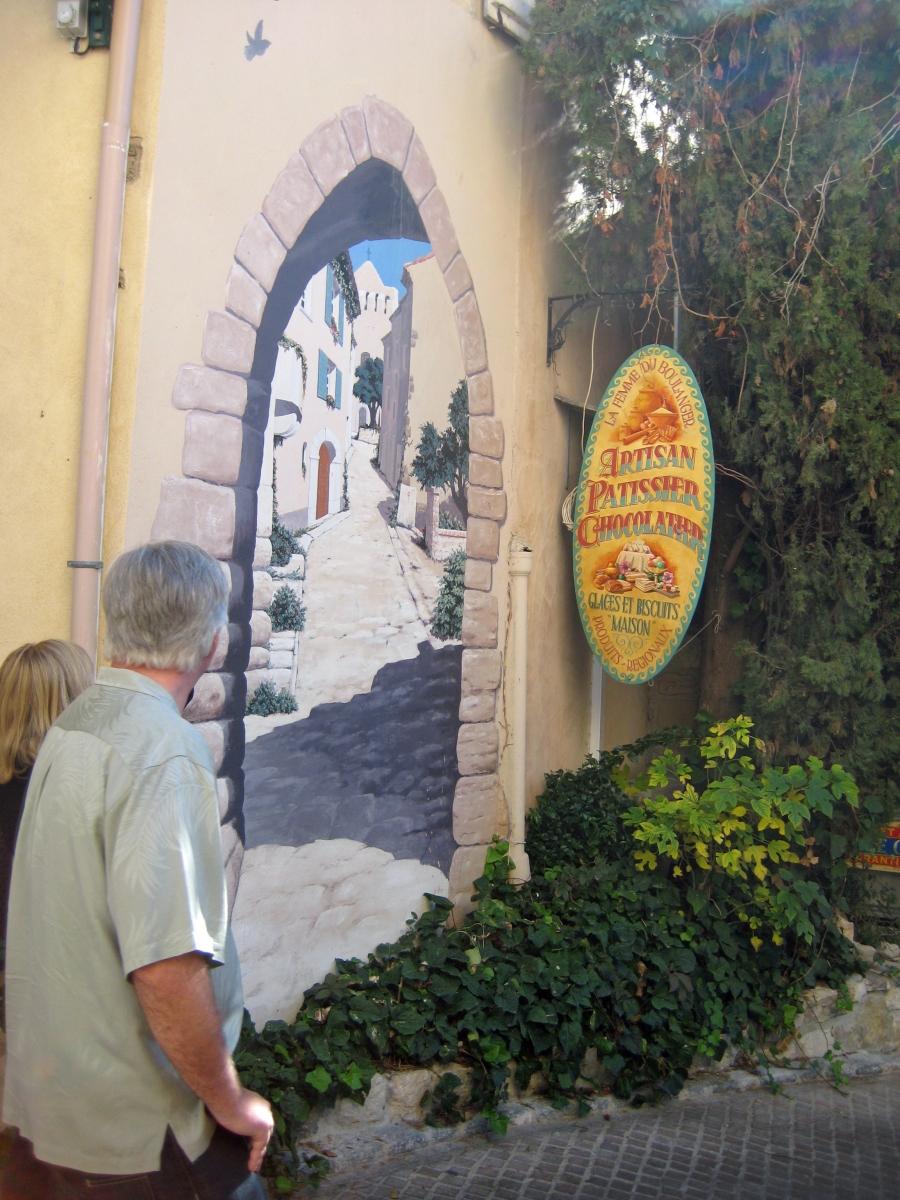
(373, 324)
(395, 428)
(435, 361)
(422, 365)
(51, 110)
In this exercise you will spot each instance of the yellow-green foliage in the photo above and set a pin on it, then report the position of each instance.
(726, 817)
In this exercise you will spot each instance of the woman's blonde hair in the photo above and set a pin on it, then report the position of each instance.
(37, 682)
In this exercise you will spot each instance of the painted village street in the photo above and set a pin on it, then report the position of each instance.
(812, 1142)
(348, 800)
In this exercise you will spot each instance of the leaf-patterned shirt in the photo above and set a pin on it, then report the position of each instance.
(118, 865)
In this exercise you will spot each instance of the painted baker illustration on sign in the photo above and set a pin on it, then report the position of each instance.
(643, 514)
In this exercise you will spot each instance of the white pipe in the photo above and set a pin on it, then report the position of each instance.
(596, 737)
(520, 564)
(102, 326)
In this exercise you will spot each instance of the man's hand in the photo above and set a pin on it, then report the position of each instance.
(250, 1116)
(178, 1002)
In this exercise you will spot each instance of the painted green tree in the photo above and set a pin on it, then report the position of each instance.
(368, 385)
(442, 459)
(748, 157)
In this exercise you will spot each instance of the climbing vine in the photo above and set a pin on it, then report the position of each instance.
(748, 157)
(287, 343)
(346, 281)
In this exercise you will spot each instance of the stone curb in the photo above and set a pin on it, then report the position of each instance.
(382, 1142)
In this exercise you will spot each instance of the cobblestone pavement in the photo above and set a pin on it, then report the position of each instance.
(813, 1142)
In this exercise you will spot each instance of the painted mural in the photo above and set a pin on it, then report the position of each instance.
(353, 699)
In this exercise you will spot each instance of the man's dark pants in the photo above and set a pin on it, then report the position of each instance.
(218, 1174)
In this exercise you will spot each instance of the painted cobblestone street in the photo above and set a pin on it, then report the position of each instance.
(348, 804)
(811, 1142)
(380, 768)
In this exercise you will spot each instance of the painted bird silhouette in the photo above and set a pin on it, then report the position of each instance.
(257, 44)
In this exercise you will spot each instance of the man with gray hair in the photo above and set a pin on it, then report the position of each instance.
(124, 998)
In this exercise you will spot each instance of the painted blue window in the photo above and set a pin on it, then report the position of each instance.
(337, 388)
(322, 384)
(329, 299)
(341, 319)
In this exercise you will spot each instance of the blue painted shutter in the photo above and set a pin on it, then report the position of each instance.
(337, 387)
(322, 385)
(341, 320)
(329, 288)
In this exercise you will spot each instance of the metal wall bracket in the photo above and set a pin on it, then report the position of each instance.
(99, 32)
(556, 330)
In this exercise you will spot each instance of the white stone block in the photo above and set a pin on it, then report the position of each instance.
(264, 588)
(259, 658)
(857, 988)
(406, 506)
(260, 628)
(264, 507)
(262, 557)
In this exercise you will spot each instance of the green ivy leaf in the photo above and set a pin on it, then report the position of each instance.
(319, 1079)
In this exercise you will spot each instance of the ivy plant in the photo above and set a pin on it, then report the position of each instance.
(641, 966)
(743, 833)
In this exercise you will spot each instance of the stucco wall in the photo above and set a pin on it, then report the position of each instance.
(435, 361)
(395, 429)
(51, 110)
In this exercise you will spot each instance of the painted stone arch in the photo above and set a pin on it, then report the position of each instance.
(362, 174)
(324, 435)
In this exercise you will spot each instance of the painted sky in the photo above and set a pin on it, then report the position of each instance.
(389, 256)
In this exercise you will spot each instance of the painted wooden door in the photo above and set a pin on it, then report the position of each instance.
(322, 481)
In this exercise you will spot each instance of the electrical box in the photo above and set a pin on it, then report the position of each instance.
(512, 16)
(72, 18)
(88, 20)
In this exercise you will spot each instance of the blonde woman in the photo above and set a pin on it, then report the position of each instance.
(37, 682)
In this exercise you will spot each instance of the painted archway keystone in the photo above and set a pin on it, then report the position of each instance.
(214, 503)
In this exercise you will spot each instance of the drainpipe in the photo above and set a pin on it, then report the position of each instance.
(520, 564)
(86, 564)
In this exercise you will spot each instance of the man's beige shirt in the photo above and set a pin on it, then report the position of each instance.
(118, 864)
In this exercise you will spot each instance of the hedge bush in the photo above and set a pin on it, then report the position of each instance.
(286, 611)
(265, 701)
(447, 620)
(284, 543)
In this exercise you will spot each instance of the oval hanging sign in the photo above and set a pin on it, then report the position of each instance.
(643, 514)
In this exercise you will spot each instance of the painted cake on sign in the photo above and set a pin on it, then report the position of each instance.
(643, 514)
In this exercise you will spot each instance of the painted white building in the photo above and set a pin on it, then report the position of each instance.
(312, 408)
